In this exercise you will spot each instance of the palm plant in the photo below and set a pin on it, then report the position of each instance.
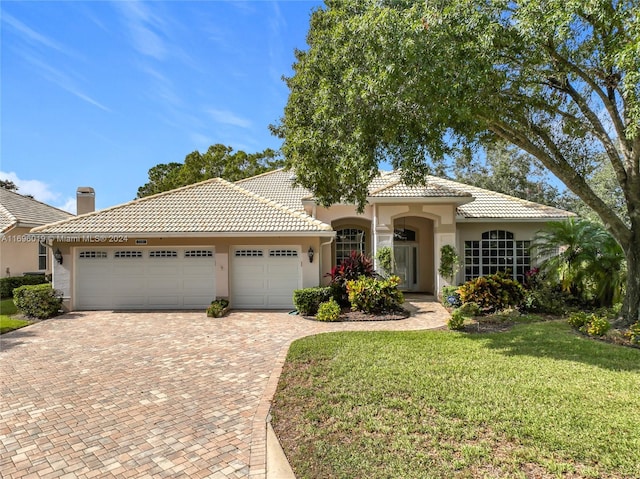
(583, 258)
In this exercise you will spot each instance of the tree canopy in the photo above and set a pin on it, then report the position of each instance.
(8, 185)
(218, 161)
(507, 170)
(412, 83)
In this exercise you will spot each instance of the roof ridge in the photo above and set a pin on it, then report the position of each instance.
(384, 187)
(264, 173)
(296, 213)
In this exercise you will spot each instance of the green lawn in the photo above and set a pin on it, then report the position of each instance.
(7, 308)
(536, 401)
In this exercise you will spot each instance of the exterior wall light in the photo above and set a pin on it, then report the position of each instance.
(310, 254)
(58, 256)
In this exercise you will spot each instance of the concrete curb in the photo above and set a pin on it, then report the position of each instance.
(277, 464)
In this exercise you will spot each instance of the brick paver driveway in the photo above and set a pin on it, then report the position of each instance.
(148, 394)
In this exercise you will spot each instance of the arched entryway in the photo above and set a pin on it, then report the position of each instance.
(413, 253)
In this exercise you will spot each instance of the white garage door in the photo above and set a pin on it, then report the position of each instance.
(264, 277)
(144, 278)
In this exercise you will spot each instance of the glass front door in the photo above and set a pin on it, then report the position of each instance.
(406, 266)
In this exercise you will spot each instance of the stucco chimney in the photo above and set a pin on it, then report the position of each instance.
(86, 200)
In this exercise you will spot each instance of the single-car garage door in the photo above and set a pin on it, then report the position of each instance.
(144, 278)
(264, 277)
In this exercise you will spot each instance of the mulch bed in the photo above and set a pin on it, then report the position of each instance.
(348, 315)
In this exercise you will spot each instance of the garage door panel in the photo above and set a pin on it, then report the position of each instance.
(197, 301)
(164, 302)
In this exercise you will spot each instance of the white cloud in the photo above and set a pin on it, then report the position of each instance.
(142, 22)
(32, 36)
(228, 118)
(40, 191)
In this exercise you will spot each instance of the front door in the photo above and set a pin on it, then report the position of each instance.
(406, 265)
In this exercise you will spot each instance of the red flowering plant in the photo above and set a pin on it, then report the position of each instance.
(350, 268)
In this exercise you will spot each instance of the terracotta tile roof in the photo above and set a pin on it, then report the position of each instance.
(18, 210)
(212, 206)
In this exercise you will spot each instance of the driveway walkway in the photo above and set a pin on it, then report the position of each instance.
(150, 394)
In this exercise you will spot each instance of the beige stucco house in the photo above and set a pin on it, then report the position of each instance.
(256, 240)
(21, 252)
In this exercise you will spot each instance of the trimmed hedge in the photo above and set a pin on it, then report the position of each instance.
(38, 301)
(7, 285)
(308, 300)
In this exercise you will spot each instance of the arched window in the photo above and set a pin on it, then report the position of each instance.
(347, 240)
(498, 250)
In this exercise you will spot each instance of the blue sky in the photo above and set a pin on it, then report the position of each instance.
(95, 93)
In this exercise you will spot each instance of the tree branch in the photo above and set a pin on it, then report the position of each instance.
(558, 165)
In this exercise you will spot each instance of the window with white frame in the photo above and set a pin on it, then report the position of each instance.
(42, 257)
(348, 240)
(498, 250)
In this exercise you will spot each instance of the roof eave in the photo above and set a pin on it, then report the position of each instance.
(118, 237)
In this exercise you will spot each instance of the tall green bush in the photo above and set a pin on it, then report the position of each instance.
(39, 301)
(308, 300)
(7, 285)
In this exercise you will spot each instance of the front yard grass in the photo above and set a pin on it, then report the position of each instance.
(535, 401)
(7, 323)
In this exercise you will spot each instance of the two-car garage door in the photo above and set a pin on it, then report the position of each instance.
(144, 278)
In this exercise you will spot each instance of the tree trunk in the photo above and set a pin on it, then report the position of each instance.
(631, 304)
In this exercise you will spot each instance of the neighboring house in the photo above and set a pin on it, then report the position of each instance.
(256, 240)
(21, 252)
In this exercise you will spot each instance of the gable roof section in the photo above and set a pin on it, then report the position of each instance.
(212, 206)
(18, 210)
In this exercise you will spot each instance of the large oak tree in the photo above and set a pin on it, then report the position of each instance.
(408, 82)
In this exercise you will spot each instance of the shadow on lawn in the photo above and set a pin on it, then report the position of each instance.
(555, 340)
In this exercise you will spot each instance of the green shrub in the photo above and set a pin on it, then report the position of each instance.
(7, 285)
(597, 326)
(385, 259)
(578, 319)
(350, 269)
(449, 262)
(218, 307)
(329, 311)
(544, 299)
(38, 301)
(373, 295)
(456, 322)
(634, 333)
(308, 300)
(451, 297)
(493, 292)
(469, 310)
